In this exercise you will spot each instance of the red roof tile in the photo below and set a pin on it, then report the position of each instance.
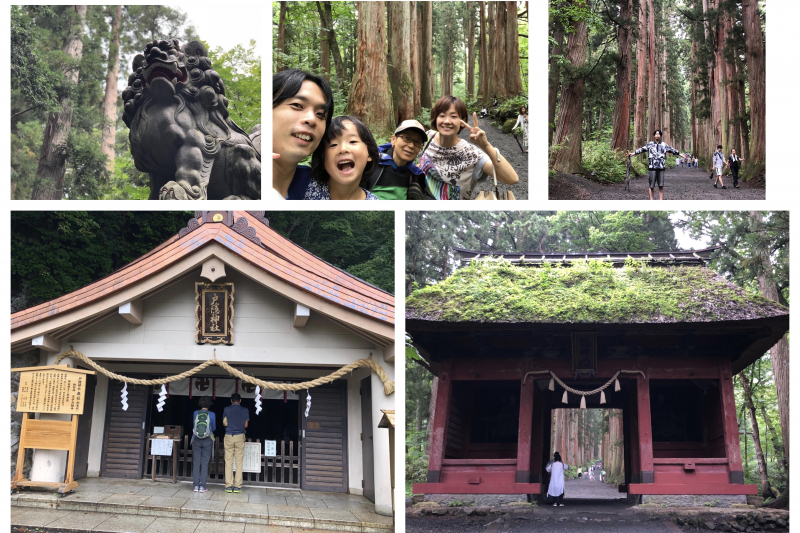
(276, 255)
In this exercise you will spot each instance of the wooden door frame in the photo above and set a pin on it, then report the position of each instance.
(345, 449)
(107, 421)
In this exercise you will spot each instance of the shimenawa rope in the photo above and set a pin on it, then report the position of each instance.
(580, 393)
(388, 385)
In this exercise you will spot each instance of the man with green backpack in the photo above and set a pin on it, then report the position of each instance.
(204, 423)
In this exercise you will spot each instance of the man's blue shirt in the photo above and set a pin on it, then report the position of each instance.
(237, 416)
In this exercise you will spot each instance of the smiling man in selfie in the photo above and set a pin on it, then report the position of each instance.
(302, 105)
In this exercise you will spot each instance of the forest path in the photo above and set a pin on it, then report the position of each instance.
(679, 184)
(584, 489)
(509, 149)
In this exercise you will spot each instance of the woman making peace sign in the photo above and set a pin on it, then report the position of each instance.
(453, 165)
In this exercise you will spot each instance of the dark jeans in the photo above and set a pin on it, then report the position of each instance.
(560, 499)
(201, 455)
(735, 172)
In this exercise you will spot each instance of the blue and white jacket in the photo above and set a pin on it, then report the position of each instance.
(657, 154)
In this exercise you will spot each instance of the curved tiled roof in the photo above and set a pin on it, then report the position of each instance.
(254, 241)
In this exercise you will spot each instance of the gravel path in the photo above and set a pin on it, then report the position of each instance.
(509, 149)
(585, 489)
(539, 523)
(679, 184)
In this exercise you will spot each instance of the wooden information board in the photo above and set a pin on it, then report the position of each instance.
(51, 391)
(56, 389)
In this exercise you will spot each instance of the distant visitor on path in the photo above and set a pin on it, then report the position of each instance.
(719, 160)
(656, 161)
(734, 164)
(580, 474)
(556, 488)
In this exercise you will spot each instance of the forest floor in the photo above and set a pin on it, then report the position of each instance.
(679, 184)
(509, 149)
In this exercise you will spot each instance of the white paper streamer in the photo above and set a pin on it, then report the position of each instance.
(162, 398)
(308, 402)
(258, 399)
(124, 399)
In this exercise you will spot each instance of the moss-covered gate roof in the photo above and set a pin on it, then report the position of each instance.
(494, 291)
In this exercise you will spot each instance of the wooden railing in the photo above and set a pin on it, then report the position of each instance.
(283, 470)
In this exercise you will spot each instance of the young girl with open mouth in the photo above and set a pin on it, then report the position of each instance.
(343, 162)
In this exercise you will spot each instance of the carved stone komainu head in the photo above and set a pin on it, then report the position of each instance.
(180, 130)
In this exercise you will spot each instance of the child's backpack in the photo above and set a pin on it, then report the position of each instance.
(202, 425)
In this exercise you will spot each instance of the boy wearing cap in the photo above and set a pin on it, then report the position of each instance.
(397, 177)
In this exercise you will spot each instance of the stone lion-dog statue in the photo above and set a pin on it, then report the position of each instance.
(180, 131)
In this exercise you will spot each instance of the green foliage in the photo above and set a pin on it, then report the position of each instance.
(87, 176)
(601, 163)
(587, 291)
(358, 242)
(54, 253)
(36, 81)
(240, 70)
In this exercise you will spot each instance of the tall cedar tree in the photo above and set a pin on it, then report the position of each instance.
(110, 98)
(401, 24)
(370, 98)
(568, 128)
(620, 136)
(52, 162)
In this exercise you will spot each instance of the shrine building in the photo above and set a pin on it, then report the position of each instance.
(513, 336)
(227, 287)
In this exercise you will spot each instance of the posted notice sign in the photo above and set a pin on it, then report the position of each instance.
(51, 391)
(252, 457)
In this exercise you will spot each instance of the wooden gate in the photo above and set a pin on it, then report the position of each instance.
(282, 470)
(325, 439)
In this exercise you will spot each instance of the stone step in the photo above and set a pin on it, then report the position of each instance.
(280, 518)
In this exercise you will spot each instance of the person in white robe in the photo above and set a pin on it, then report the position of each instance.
(556, 488)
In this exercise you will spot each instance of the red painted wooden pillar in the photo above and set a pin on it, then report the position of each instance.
(729, 423)
(439, 434)
(540, 434)
(644, 425)
(525, 429)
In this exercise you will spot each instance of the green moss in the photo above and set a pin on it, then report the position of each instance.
(586, 291)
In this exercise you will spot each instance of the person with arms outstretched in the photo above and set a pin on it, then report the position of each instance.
(656, 161)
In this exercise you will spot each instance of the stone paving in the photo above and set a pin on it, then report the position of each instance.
(141, 506)
(583, 489)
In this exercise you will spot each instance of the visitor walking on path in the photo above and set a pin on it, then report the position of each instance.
(719, 160)
(204, 423)
(556, 488)
(580, 475)
(733, 164)
(656, 161)
(522, 121)
(235, 419)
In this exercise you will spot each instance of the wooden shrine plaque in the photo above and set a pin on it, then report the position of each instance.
(584, 352)
(51, 391)
(214, 313)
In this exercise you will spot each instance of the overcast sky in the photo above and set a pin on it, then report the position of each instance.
(231, 23)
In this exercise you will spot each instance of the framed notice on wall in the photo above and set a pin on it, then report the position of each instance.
(214, 313)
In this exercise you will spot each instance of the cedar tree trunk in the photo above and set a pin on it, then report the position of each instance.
(370, 99)
(620, 136)
(52, 163)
